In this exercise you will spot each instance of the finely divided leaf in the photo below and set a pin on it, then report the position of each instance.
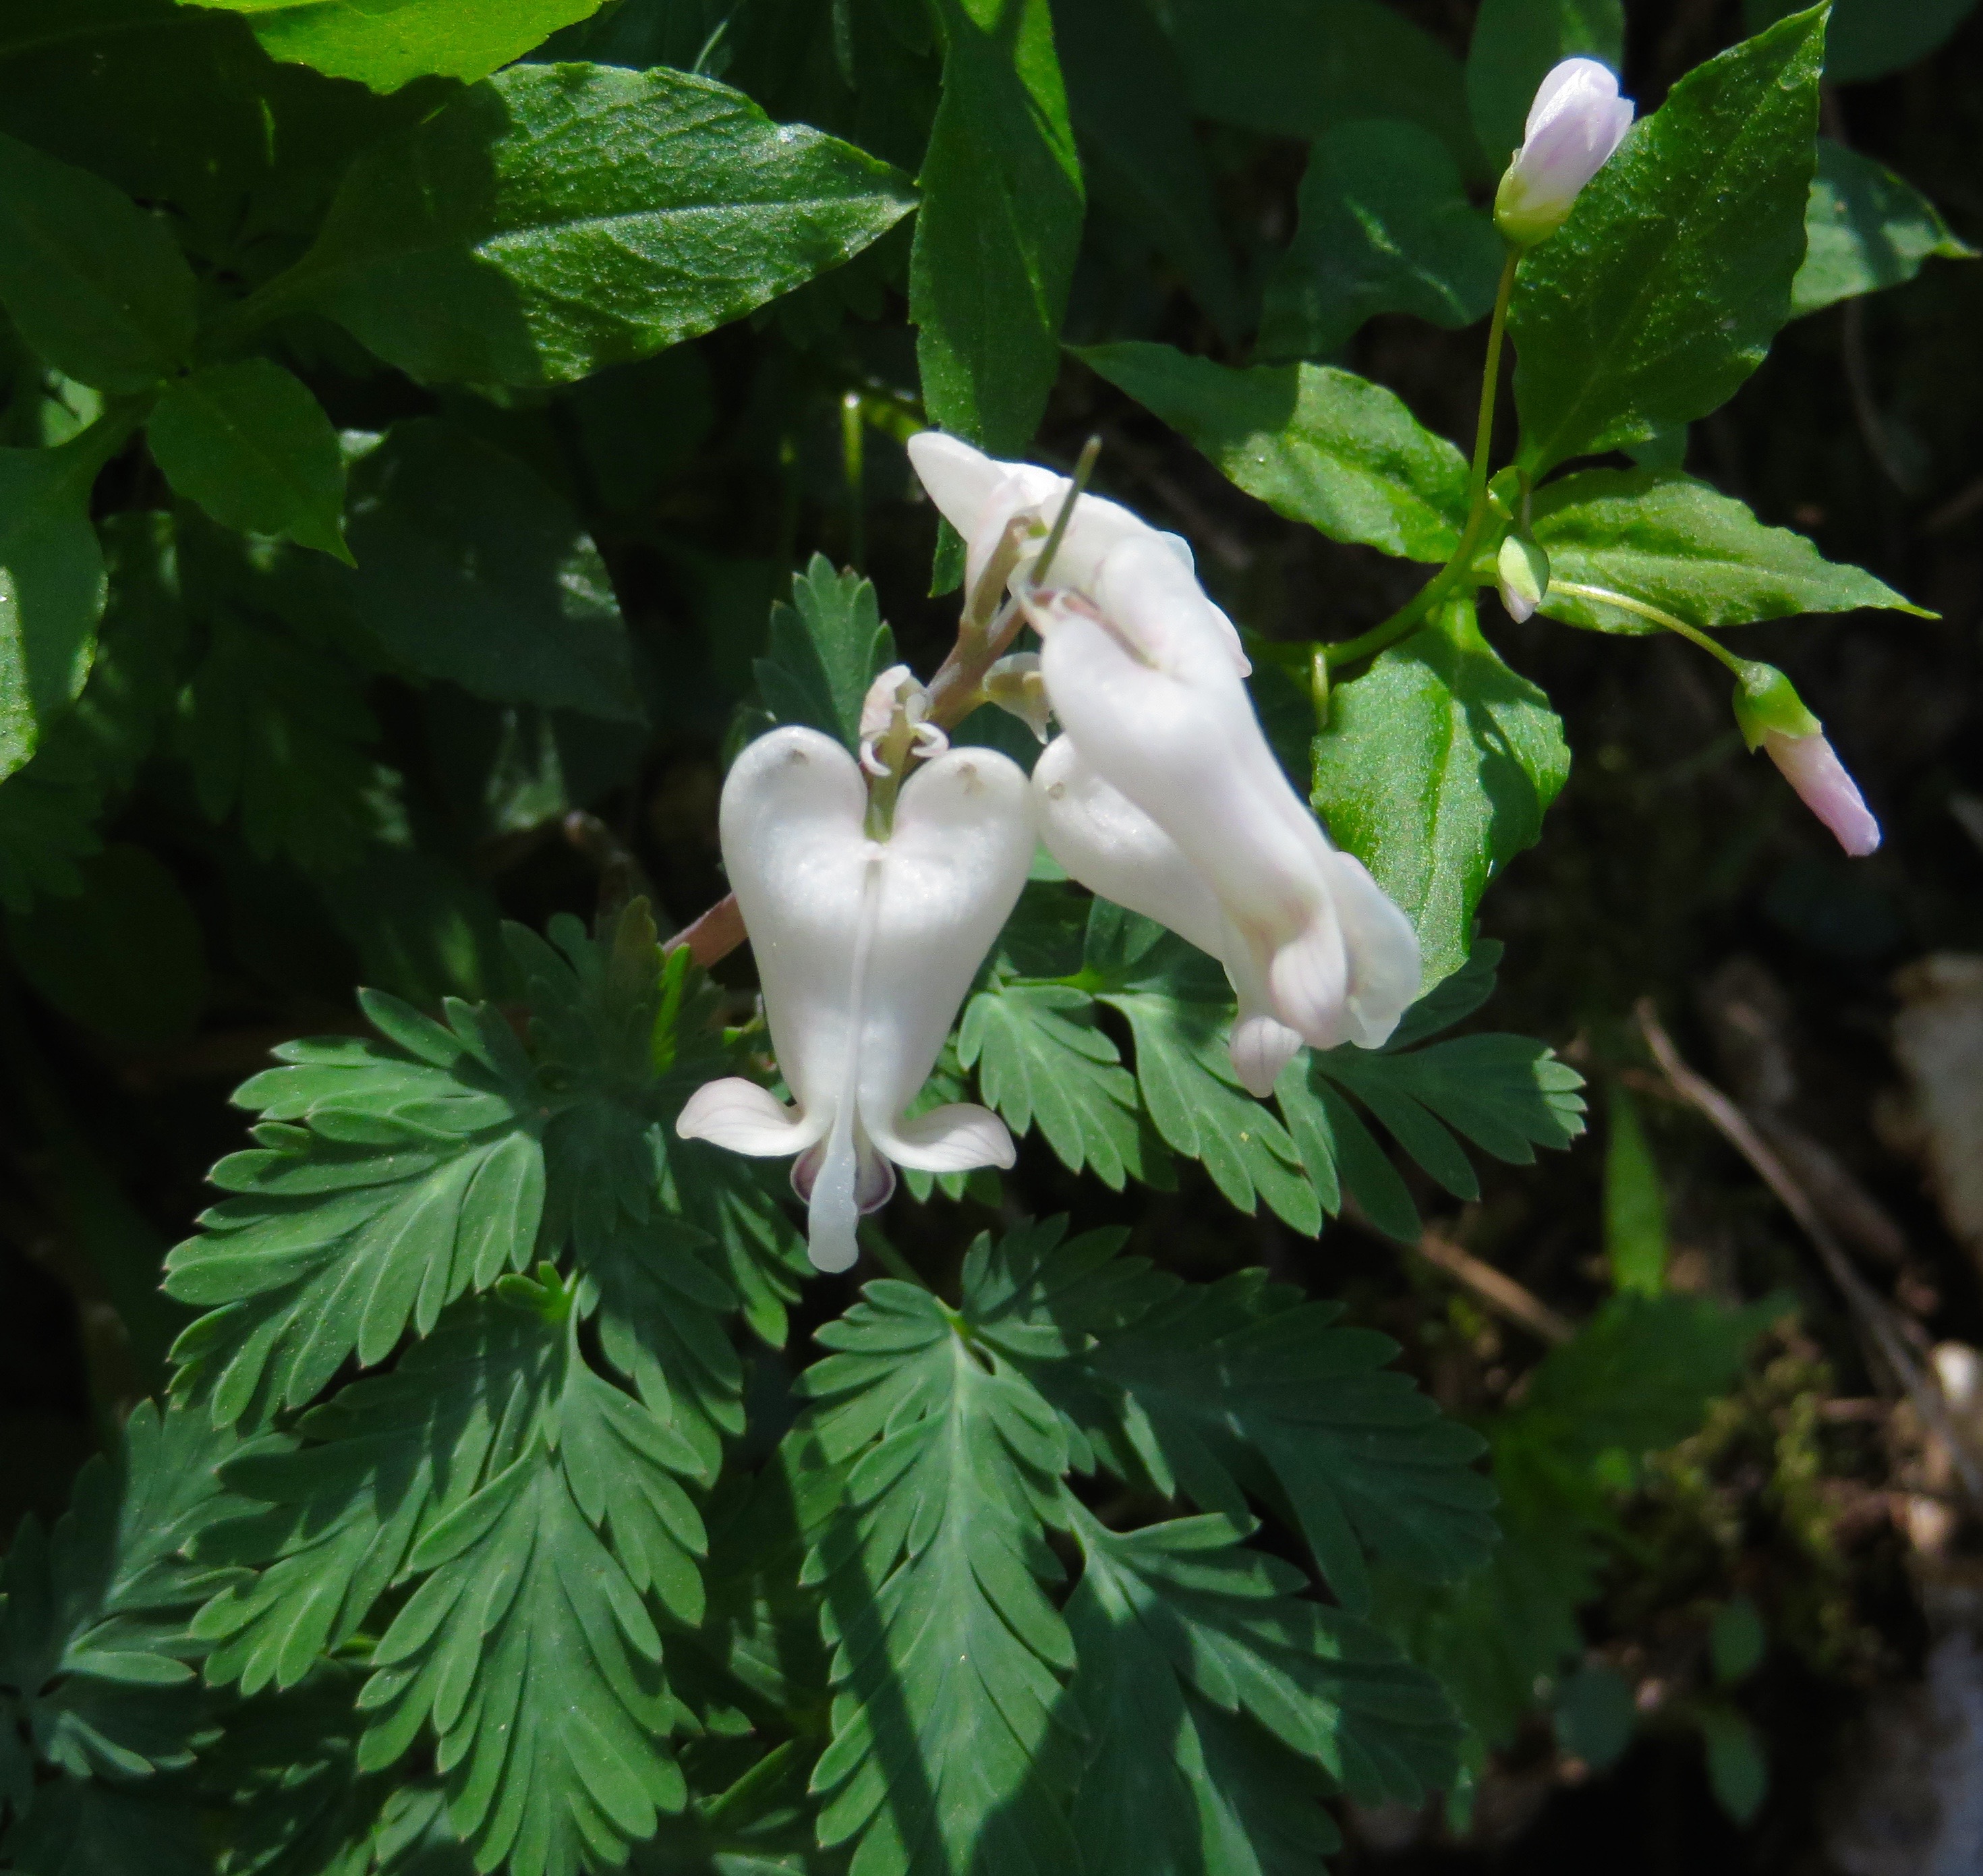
(1676, 544)
(825, 649)
(1314, 443)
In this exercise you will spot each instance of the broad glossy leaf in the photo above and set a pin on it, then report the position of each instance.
(1386, 227)
(824, 650)
(1678, 545)
(387, 47)
(1127, 92)
(1661, 293)
(1515, 43)
(1865, 230)
(51, 588)
(1434, 771)
(248, 442)
(999, 226)
(1314, 443)
(952, 1737)
(95, 285)
(1293, 67)
(1869, 39)
(1185, 1611)
(558, 218)
(472, 568)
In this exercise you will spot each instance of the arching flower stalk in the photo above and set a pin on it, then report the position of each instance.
(1161, 793)
(865, 947)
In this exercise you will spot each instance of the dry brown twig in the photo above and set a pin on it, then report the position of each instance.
(1496, 1290)
(1877, 1316)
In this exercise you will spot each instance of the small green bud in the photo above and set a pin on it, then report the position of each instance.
(1766, 699)
(1521, 576)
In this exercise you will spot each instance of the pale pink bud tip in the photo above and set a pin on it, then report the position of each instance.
(1812, 767)
(1576, 122)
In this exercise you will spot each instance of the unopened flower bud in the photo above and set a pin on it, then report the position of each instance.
(1521, 576)
(1015, 685)
(1775, 720)
(1575, 122)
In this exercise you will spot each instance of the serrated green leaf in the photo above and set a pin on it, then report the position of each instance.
(951, 1731)
(420, 1174)
(1184, 1603)
(1670, 542)
(999, 226)
(1314, 443)
(1661, 293)
(1865, 230)
(825, 649)
(1434, 771)
(95, 285)
(386, 49)
(556, 219)
(1386, 227)
(1294, 68)
(248, 442)
(1515, 44)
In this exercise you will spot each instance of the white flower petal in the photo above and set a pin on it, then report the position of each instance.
(745, 1119)
(959, 1137)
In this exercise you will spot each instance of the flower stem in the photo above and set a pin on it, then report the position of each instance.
(1458, 571)
(1604, 596)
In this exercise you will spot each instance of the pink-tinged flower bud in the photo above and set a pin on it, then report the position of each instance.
(865, 949)
(1775, 719)
(1521, 576)
(1575, 122)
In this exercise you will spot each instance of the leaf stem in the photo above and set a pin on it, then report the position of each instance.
(1458, 570)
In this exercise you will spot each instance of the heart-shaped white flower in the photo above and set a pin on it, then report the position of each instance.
(865, 949)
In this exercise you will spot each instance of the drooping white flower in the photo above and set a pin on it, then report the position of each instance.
(1775, 720)
(1575, 122)
(864, 950)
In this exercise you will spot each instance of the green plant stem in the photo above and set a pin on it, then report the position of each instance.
(1604, 596)
(1459, 570)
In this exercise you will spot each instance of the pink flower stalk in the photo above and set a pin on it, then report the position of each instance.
(1811, 766)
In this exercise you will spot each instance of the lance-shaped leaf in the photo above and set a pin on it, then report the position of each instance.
(999, 227)
(1865, 230)
(1869, 39)
(1663, 291)
(952, 1738)
(559, 219)
(1314, 443)
(1671, 543)
(97, 287)
(1435, 770)
(391, 1177)
(1207, 1680)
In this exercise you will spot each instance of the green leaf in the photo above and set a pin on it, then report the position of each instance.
(1296, 68)
(1635, 1204)
(1869, 39)
(94, 1647)
(1594, 1713)
(999, 227)
(88, 1827)
(471, 568)
(123, 957)
(51, 588)
(1386, 227)
(397, 1176)
(98, 287)
(1736, 1640)
(1738, 1769)
(527, 1648)
(825, 649)
(1864, 229)
(386, 47)
(1217, 1390)
(557, 219)
(1178, 1616)
(953, 1739)
(1670, 542)
(1515, 43)
(278, 730)
(1434, 771)
(1128, 92)
(1314, 443)
(1040, 1060)
(1663, 291)
(251, 445)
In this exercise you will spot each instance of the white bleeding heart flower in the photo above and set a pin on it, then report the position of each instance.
(980, 496)
(1576, 123)
(865, 949)
(1167, 799)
